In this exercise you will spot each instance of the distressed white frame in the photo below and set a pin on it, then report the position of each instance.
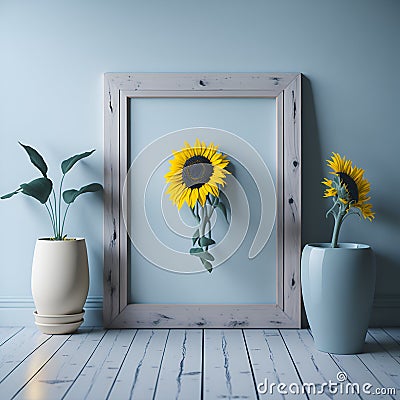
(119, 89)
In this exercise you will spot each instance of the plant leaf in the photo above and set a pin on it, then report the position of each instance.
(195, 251)
(70, 195)
(36, 159)
(67, 164)
(92, 187)
(207, 265)
(199, 252)
(206, 256)
(205, 241)
(195, 237)
(8, 195)
(222, 207)
(39, 189)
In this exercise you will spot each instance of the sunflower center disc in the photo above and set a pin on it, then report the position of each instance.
(197, 171)
(351, 186)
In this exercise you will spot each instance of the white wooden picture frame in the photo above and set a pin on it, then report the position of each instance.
(119, 90)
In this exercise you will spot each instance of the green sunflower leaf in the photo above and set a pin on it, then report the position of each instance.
(207, 256)
(36, 159)
(39, 189)
(222, 207)
(207, 265)
(195, 237)
(199, 252)
(213, 200)
(195, 251)
(67, 164)
(205, 241)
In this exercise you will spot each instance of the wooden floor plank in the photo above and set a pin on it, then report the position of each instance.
(28, 368)
(6, 332)
(56, 377)
(387, 342)
(162, 364)
(394, 333)
(381, 364)
(227, 373)
(315, 367)
(99, 373)
(180, 374)
(271, 364)
(358, 374)
(17, 348)
(137, 377)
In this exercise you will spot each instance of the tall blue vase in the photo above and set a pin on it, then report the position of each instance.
(338, 287)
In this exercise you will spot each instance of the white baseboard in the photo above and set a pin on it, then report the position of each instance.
(17, 311)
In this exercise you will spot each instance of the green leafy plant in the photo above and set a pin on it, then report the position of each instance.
(42, 189)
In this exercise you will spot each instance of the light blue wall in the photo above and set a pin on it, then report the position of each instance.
(54, 54)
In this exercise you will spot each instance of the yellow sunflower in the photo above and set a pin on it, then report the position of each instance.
(355, 185)
(196, 172)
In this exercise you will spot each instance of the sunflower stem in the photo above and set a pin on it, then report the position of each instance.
(339, 218)
(201, 226)
(335, 235)
(207, 217)
(205, 222)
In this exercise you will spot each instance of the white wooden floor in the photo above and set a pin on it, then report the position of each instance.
(192, 364)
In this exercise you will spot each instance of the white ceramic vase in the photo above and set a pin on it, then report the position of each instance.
(338, 287)
(60, 276)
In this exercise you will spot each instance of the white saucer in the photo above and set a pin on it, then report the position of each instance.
(58, 319)
(59, 329)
